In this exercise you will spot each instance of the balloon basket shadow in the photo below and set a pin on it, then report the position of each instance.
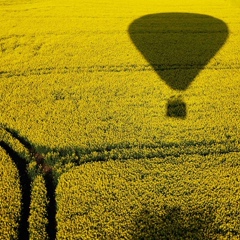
(176, 108)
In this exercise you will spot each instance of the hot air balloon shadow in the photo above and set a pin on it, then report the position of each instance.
(178, 46)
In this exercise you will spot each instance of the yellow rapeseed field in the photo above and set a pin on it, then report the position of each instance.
(71, 76)
(10, 198)
(189, 197)
(38, 210)
(150, 84)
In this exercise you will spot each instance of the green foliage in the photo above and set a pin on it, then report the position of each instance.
(189, 197)
(38, 219)
(10, 198)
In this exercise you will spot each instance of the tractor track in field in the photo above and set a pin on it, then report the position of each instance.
(161, 150)
(109, 68)
(114, 152)
(49, 183)
(25, 182)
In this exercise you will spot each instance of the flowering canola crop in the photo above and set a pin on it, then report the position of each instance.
(86, 81)
(192, 197)
(10, 198)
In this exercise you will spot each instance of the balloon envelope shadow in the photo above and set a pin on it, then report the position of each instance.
(178, 45)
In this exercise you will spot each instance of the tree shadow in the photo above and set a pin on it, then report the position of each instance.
(178, 45)
(175, 224)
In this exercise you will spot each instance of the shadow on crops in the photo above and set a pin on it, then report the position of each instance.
(175, 224)
(178, 45)
(176, 107)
